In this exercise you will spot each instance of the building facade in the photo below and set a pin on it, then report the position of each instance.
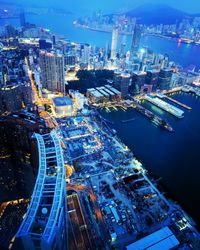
(52, 71)
(136, 39)
(164, 79)
(114, 43)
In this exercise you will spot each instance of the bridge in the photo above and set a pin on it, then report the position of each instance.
(45, 224)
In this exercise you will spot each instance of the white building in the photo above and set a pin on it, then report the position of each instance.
(79, 99)
(63, 106)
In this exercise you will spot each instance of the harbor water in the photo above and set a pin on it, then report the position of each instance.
(172, 156)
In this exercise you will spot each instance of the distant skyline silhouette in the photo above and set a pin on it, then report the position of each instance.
(87, 6)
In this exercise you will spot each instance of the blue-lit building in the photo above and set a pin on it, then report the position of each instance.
(164, 79)
(162, 239)
(136, 38)
(45, 224)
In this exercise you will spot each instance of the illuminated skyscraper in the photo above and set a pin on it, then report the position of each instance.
(164, 79)
(122, 82)
(45, 224)
(122, 50)
(85, 54)
(10, 31)
(138, 82)
(152, 78)
(12, 98)
(114, 42)
(136, 39)
(52, 71)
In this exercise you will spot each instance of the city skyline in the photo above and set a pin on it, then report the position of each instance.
(113, 5)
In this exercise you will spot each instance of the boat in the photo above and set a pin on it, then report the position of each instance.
(128, 120)
(107, 110)
(106, 120)
(162, 123)
(156, 121)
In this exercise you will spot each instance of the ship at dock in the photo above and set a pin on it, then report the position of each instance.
(158, 121)
(165, 106)
(161, 123)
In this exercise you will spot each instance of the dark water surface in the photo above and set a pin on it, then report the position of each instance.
(173, 156)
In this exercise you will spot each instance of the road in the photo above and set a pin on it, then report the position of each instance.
(78, 225)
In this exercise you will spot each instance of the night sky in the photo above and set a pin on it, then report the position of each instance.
(86, 6)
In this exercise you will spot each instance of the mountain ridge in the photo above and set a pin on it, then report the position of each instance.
(156, 14)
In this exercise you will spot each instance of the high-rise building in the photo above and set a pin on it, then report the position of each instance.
(122, 50)
(17, 163)
(85, 54)
(10, 31)
(165, 62)
(138, 82)
(136, 38)
(45, 224)
(18, 168)
(152, 78)
(70, 60)
(14, 97)
(116, 78)
(52, 71)
(45, 45)
(54, 40)
(157, 59)
(164, 79)
(15, 87)
(122, 82)
(114, 42)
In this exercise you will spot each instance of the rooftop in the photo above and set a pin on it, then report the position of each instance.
(162, 239)
(125, 75)
(62, 101)
(139, 73)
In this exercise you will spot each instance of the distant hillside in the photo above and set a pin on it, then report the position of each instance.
(157, 13)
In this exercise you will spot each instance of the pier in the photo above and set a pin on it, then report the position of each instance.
(190, 89)
(162, 96)
(174, 90)
(165, 106)
(135, 104)
(154, 118)
(178, 103)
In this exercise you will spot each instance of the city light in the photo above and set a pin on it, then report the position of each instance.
(98, 121)
(142, 51)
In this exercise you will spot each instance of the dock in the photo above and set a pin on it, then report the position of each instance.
(178, 103)
(165, 106)
(154, 118)
(190, 89)
(162, 96)
(147, 113)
